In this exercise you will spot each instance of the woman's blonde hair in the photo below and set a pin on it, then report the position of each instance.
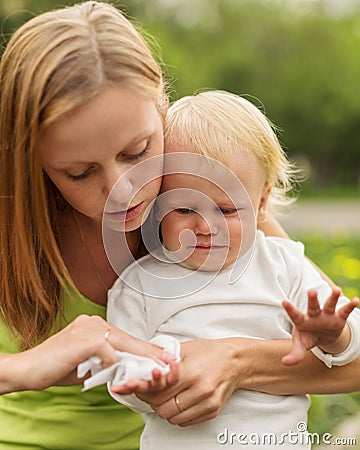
(53, 63)
(219, 124)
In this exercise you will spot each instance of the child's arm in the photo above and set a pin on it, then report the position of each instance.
(323, 327)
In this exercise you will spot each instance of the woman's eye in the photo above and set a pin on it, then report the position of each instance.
(139, 155)
(78, 177)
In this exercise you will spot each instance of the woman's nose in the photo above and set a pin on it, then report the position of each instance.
(118, 186)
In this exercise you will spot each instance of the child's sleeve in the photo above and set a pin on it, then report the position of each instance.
(126, 311)
(126, 307)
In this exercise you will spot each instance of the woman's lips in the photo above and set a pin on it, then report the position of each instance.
(126, 215)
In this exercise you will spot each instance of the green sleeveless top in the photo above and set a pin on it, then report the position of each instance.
(64, 417)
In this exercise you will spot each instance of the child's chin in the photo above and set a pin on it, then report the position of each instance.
(206, 266)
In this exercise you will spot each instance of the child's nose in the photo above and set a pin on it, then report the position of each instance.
(205, 225)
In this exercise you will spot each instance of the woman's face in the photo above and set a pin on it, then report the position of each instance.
(88, 150)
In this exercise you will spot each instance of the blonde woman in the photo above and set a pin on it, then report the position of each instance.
(82, 101)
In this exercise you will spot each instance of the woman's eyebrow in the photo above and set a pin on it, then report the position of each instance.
(145, 135)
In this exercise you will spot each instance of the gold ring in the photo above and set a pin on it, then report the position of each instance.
(178, 404)
(107, 334)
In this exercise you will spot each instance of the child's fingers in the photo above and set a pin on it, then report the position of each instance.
(130, 387)
(345, 310)
(174, 375)
(313, 304)
(158, 382)
(156, 375)
(295, 315)
(296, 355)
(330, 304)
(157, 386)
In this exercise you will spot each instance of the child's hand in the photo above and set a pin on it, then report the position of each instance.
(325, 328)
(158, 383)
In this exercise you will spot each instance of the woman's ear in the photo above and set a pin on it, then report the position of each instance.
(262, 209)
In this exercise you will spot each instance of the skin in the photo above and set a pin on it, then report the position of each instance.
(212, 217)
(324, 327)
(84, 154)
(85, 336)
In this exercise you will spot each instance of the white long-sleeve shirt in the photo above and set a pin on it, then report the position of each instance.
(153, 297)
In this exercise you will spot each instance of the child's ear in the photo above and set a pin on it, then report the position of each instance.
(262, 209)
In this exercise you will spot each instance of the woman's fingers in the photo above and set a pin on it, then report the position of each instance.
(187, 408)
(86, 336)
(103, 333)
(125, 342)
(202, 383)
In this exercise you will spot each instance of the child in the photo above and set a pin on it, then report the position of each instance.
(215, 276)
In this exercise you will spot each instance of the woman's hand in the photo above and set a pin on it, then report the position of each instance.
(211, 370)
(209, 374)
(54, 361)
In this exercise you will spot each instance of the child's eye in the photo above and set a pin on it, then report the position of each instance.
(183, 210)
(227, 211)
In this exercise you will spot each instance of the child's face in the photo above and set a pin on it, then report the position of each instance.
(217, 219)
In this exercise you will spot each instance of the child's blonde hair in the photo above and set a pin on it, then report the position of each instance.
(220, 124)
(52, 64)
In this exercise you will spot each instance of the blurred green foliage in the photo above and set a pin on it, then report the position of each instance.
(338, 255)
(298, 58)
(329, 411)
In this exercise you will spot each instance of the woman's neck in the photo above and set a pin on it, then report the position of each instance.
(92, 267)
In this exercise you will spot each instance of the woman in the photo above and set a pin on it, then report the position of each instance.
(81, 102)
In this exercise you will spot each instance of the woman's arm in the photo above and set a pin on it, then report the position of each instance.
(311, 376)
(54, 361)
(211, 370)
